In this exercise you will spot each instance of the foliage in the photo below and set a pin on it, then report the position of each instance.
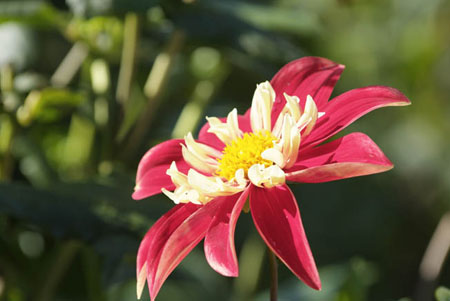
(86, 87)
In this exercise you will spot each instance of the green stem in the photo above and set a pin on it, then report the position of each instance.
(130, 45)
(273, 268)
(154, 87)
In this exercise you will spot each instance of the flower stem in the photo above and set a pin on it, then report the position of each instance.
(273, 267)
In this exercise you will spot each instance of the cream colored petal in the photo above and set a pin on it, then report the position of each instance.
(200, 149)
(285, 133)
(227, 131)
(233, 125)
(203, 183)
(210, 186)
(312, 112)
(185, 194)
(274, 155)
(268, 177)
(209, 165)
(294, 144)
(219, 129)
(178, 178)
(171, 195)
(277, 128)
(260, 112)
(309, 116)
(292, 106)
(274, 175)
(142, 277)
(239, 177)
(255, 174)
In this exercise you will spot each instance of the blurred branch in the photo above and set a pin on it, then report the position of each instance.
(214, 71)
(193, 110)
(153, 89)
(130, 41)
(6, 137)
(433, 259)
(160, 71)
(57, 271)
(208, 65)
(70, 65)
(6, 78)
(7, 126)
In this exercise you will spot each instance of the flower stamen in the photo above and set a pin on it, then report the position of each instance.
(244, 152)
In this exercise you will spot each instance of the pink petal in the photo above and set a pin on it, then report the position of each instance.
(346, 108)
(313, 76)
(219, 241)
(150, 239)
(212, 140)
(350, 156)
(155, 239)
(176, 242)
(277, 218)
(151, 174)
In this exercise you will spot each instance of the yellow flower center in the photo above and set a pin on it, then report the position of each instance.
(244, 152)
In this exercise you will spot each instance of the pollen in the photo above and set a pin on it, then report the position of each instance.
(244, 152)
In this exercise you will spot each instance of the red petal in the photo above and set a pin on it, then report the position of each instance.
(350, 156)
(219, 241)
(151, 174)
(277, 218)
(176, 242)
(346, 108)
(151, 238)
(313, 76)
(155, 239)
(212, 140)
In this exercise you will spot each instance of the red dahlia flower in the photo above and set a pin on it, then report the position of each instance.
(251, 157)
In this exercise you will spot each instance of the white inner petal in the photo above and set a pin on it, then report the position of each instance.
(199, 162)
(225, 131)
(266, 177)
(260, 112)
(291, 126)
(273, 155)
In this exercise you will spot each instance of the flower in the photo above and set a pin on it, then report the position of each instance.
(252, 156)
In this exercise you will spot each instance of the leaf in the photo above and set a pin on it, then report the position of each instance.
(294, 20)
(89, 8)
(442, 294)
(47, 105)
(36, 13)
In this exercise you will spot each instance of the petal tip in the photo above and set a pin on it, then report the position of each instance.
(137, 195)
(402, 99)
(317, 284)
(142, 276)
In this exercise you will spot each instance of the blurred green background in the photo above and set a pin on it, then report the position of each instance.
(87, 86)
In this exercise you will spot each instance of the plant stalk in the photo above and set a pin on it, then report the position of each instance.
(273, 268)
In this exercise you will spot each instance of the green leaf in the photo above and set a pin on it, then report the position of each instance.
(37, 14)
(47, 105)
(103, 34)
(442, 294)
(91, 8)
(294, 20)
